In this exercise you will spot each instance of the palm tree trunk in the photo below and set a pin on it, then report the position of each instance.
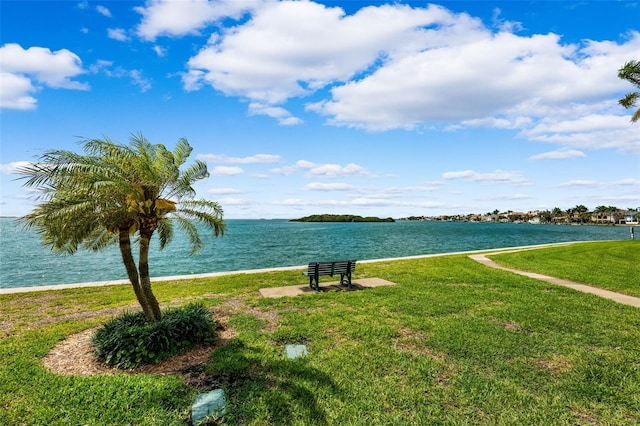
(146, 230)
(132, 272)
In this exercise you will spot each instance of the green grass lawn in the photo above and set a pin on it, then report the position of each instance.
(454, 343)
(613, 266)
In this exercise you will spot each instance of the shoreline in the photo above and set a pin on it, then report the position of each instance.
(53, 287)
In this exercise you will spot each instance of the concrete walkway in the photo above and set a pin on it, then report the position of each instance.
(295, 290)
(616, 297)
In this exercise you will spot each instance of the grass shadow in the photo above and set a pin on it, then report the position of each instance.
(276, 389)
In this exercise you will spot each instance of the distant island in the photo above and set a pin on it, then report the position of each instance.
(340, 218)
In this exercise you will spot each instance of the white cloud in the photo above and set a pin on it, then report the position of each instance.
(192, 80)
(317, 186)
(394, 66)
(357, 203)
(55, 69)
(579, 124)
(254, 159)
(25, 71)
(107, 68)
(15, 92)
(236, 202)
(119, 34)
(227, 171)
(579, 184)
(224, 191)
(283, 116)
(589, 132)
(384, 202)
(101, 65)
(336, 170)
(11, 168)
(564, 154)
(285, 171)
(292, 202)
(503, 24)
(322, 170)
(297, 202)
(452, 83)
(179, 18)
(512, 197)
(627, 182)
(104, 11)
(290, 121)
(497, 176)
(291, 49)
(305, 164)
(624, 140)
(402, 191)
(160, 51)
(140, 80)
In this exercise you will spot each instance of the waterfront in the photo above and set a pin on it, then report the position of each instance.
(255, 244)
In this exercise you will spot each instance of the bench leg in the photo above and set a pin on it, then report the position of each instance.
(344, 281)
(315, 278)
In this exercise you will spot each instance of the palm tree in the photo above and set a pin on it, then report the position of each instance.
(631, 72)
(582, 212)
(614, 214)
(570, 213)
(556, 214)
(601, 213)
(545, 216)
(115, 191)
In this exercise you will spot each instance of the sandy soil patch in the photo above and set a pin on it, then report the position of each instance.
(75, 356)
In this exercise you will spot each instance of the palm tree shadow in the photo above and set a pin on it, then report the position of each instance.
(279, 391)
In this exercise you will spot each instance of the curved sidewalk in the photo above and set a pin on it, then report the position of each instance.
(616, 297)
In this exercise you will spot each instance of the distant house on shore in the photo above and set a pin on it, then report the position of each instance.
(621, 217)
(534, 217)
(630, 217)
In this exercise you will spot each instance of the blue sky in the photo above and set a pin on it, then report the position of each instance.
(355, 107)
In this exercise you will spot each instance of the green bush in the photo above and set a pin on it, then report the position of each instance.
(129, 340)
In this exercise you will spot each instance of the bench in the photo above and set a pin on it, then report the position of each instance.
(318, 269)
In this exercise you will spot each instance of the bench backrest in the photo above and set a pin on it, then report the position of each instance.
(331, 268)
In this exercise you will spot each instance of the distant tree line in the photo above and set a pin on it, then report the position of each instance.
(341, 218)
(579, 214)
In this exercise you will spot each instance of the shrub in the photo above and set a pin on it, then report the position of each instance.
(129, 340)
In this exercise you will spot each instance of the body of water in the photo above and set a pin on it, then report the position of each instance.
(255, 244)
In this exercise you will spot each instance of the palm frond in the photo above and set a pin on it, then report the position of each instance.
(165, 232)
(51, 167)
(143, 160)
(166, 167)
(631, 72)
(106, 149)
(72, 214)
(181, 152)
(99, 239)
(208, 206)
(206, 212)
(192, 232)
(182, 187)
(629, 100)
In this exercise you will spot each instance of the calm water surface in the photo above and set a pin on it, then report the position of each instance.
(254, 244)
